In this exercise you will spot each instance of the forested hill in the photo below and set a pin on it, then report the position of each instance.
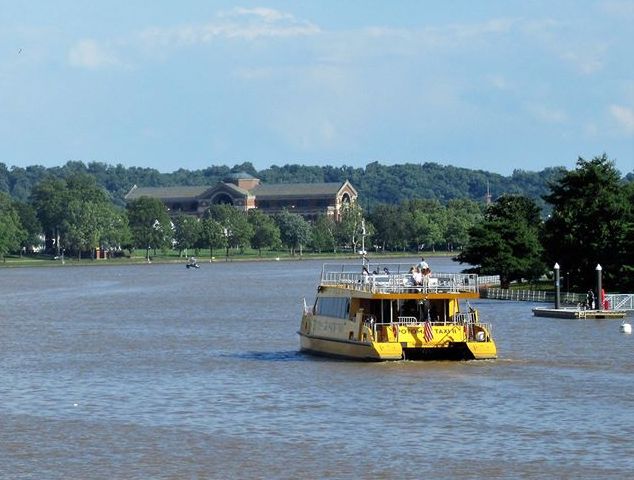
(375, 183)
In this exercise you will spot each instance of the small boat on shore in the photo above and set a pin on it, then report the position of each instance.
(391, 316)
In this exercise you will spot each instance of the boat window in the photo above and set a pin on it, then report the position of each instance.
(333, 307)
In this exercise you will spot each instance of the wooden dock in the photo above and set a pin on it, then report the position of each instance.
(577, 313)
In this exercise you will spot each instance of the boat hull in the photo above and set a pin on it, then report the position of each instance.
(371, 351)
(386, 351)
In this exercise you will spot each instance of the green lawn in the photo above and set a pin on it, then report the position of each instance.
(170, 256)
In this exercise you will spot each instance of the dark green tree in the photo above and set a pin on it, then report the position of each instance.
(31, 225)
(212, 235)
(427, 222)
(324, 231)
(590, 224)
(150, 224)
(50, 198)
(462, 214)
(236, 227)
(266, 233)
(507, 241)
(390, 222)
(352, 226)
(11, 232)
(627, 247)
(295, 232)
(187, 232)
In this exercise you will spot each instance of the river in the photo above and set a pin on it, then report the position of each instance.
(157, 371)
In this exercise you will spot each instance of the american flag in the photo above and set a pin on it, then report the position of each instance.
(428, 332)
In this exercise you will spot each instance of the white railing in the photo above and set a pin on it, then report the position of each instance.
(488, 280)
(620, 301)
(395, 278)
(616, 301)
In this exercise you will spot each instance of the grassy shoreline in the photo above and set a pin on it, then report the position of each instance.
(138, 258)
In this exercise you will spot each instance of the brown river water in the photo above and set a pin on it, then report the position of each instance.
(156, 371)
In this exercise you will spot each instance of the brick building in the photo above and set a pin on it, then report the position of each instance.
(245, 192)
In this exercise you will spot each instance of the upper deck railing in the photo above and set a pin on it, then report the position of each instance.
(395, 278)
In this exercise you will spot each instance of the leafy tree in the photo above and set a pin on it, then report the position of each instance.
(390, 223)
(238, 230)
(294, 230)
(115, 231)
(507, 242)
(351, 225)
(590, 224)
(49, 199)
(30, 223)
(11, 231)
(426, 225)
(324, 234)
(266, 233)
(462, 214)
(93, 224)
(150, 224)
(187, 231)
(212, 235)
(627, 247)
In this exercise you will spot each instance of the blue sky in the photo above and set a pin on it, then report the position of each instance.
(492, 85)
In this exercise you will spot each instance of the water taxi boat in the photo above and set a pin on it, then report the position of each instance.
(388, 315)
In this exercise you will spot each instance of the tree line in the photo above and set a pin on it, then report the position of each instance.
(376, 183)
(76, 216)
(589, 222)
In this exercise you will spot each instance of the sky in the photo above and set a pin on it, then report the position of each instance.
(493, 85)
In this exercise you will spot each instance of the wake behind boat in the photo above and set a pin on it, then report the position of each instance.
(394, 315)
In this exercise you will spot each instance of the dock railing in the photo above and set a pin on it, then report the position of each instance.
(395, 278)
(620, 301)
(615, 301)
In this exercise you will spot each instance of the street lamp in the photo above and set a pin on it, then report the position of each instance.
(557, 288)
(227, 234)
(599, 297)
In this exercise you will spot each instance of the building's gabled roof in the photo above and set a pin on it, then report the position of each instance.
(261, 192)
(227, 186)
(300, 190)
(166, 193)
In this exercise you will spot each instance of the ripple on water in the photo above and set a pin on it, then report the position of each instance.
(158, 372)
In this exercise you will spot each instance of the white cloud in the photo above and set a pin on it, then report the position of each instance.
(89, 54)
(242, 23)
(587, 61)
(266, 14)
(498, 81)
(624, 116)
(548, 114)
(619, 8)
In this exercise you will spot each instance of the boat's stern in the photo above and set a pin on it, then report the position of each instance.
(483, 350)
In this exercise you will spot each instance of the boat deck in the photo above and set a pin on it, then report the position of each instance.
(395, 278)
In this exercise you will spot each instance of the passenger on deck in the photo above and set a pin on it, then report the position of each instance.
(417, 275)
(365, 274)
(426, 272)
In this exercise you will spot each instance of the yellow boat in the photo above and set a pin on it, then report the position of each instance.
(391, 315)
